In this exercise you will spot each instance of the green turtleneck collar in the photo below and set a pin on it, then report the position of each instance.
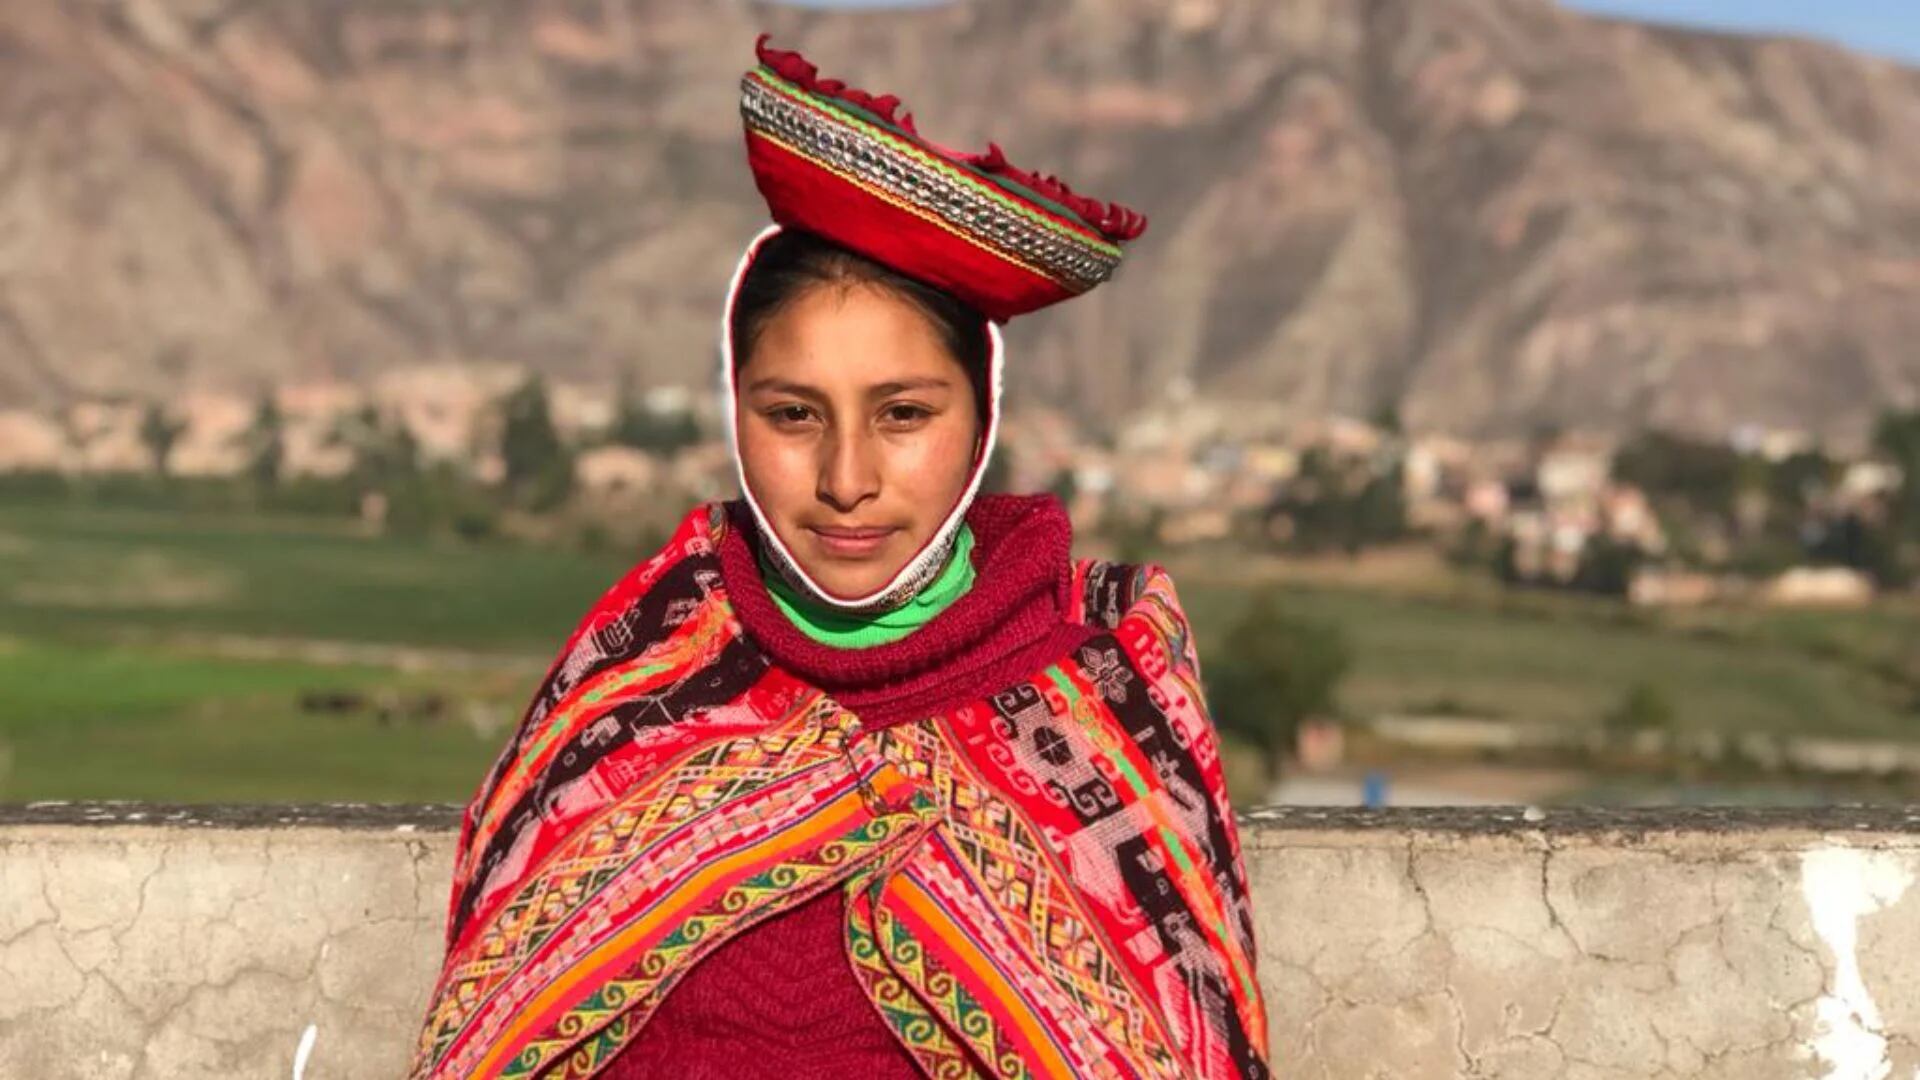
(849, 631)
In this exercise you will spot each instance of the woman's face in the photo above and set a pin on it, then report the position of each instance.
(857, 432)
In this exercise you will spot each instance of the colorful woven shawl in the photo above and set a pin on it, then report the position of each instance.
(1047, 880)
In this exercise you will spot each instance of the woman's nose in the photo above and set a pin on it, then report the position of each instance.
(849, 471)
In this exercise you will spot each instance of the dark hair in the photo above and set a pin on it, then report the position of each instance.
(794, 262)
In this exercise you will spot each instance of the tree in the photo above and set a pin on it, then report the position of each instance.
(1346, 505)
(1607, 566)
(265, 444)
(662, 433)
(1644, 707)
(1380, 510)
(1871, 547)
(385, 452)
(1799, 479)
(1065, 487)
(1135, 533)
(539, 470)
(1896, 437)
(159, 432)
(1274, 671)
(1675, 469)
(1387, 419)
(657, 431)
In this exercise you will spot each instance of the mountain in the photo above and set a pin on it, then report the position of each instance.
(1490, 214)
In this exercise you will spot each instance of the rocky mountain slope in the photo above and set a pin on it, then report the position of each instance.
(1493, 214)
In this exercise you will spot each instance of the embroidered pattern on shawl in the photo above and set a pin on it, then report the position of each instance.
(1047, 881)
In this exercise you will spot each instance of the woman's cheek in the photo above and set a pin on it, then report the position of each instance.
(799, 469)
(777, 470)
(935, 466)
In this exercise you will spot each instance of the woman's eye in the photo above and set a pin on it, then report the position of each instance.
(789, 414)
(904, 415)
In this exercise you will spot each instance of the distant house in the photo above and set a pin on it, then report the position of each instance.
(1659, 586)
(447, 407)
(1547, 546)
(1819, 586)
(1488, 500)
(1775, 444)
(311, 450)
(578, 410)
(705, 471)
(1435, 482)
(211, 442)
(106, 437)
(1862, 480)
(30, 442)
(1165, 480)
(1348, 437)
(1271, 462)
(1196, 526)
(615, 470)
(318, 401)
(1629, 518)
(1573, 472)
(1094, 476)
(1435, 465)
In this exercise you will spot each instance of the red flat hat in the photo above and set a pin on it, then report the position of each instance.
(849, 167)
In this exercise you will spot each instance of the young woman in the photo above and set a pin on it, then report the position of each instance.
(864, 775)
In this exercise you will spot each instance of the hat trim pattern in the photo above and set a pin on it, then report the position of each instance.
(976, 166)
(1111, 220)
(1011, 194)
(882, 163)
(902, 204)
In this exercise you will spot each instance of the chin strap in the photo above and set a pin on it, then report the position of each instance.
(926, 564)
(926, 570)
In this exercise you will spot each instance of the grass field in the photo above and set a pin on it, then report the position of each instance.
(1571, 660)
(118, 676)
(122, 675)
(150, 723)
(90, 574)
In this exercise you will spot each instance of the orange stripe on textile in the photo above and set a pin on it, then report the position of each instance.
(716, 885)
(1105, 924)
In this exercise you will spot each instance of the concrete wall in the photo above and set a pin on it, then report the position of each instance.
(156, 943)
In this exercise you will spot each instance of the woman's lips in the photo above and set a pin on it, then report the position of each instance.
(849, 542)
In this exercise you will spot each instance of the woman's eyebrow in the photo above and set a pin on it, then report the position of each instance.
(896, 386)
(775, 384)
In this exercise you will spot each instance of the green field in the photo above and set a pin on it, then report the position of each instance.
(127, 666)
(177, 657)
(88, 574)
(1570, 660)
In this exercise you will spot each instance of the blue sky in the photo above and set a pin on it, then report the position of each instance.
(1887, 27)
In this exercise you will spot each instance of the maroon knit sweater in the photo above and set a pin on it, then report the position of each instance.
(780, 999)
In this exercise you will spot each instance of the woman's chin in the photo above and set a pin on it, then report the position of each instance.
(841, 576)
(849, 582)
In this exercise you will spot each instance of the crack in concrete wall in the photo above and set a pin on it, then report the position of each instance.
(1487, 945)
(146, 953)
(1597, 954)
